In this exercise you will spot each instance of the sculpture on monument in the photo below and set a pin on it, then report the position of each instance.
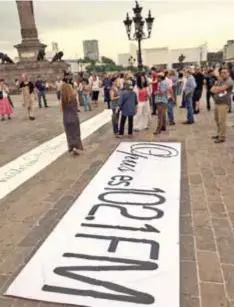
(31, 51)
(57, 57)
(41, 56)
(5, 58)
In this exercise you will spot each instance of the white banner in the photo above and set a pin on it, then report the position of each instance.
(119, 242)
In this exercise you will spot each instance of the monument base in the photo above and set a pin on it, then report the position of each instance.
(47, 70)
(28, 50)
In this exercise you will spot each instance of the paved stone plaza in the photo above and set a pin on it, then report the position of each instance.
(207, 209)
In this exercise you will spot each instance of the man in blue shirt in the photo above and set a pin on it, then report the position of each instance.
(189, 89)
(41, 89)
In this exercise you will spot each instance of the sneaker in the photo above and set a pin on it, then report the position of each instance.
(75, 152)
(188, 122)
(215, 137)
(172, 123)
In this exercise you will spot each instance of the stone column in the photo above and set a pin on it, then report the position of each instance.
(30, 46)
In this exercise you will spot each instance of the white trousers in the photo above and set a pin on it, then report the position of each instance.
(143, 116)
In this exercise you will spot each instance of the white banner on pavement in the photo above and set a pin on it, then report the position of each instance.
(18, 171)
(119, 242)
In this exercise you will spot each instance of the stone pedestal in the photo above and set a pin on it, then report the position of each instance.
(48, 71)
(28, 49)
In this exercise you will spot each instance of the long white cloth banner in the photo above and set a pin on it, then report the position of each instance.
(18, 171)
(118, 244)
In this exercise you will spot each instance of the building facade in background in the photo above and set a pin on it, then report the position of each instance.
(228, 51)
(123, 58)
(91, 49)
(165, 57)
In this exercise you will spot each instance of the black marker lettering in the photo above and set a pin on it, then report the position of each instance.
(146, 228)
(125, 213)
(151, 193)
(118, 180)
(124, 294)
(154, 251)
(133, 155)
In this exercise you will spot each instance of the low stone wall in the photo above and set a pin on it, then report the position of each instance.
(48, 71)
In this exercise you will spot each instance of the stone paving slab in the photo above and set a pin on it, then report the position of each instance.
(206, 217)
(21, 135)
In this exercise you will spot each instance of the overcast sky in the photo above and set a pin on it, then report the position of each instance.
(177, 24)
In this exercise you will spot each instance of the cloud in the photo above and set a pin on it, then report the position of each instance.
(177, 23)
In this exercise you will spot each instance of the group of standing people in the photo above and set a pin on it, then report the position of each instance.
(135, 98)
(131, 97)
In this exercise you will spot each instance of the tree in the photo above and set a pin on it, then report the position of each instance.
(107, 60)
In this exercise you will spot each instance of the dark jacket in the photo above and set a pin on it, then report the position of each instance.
(128, 103)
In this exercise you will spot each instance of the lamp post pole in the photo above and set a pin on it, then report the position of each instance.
(139, 29)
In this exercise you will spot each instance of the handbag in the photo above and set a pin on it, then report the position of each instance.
(1, 95)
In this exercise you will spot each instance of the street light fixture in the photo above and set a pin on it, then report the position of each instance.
(139, 29)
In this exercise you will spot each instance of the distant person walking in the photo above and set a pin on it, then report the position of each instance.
(222, 91)
(41, 92)
(5, 105)
(210, 81)
(189, 89)
(114, 104)
(27, 89)
(71, 119)
(143, 116)
(86, 95)
(95, 85)
(199, 79)
(161, 99)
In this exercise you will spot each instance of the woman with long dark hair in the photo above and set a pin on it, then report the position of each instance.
(70, 118)
(143, 116)
(161, 100)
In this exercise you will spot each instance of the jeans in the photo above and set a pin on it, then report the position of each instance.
(183, 101)
(115, 121)
(122, 124)
(87, 102)
(189, 106)
(170, 110)
(41, 95)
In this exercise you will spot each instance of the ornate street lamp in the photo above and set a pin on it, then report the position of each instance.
(131, 61)
(139, 29)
